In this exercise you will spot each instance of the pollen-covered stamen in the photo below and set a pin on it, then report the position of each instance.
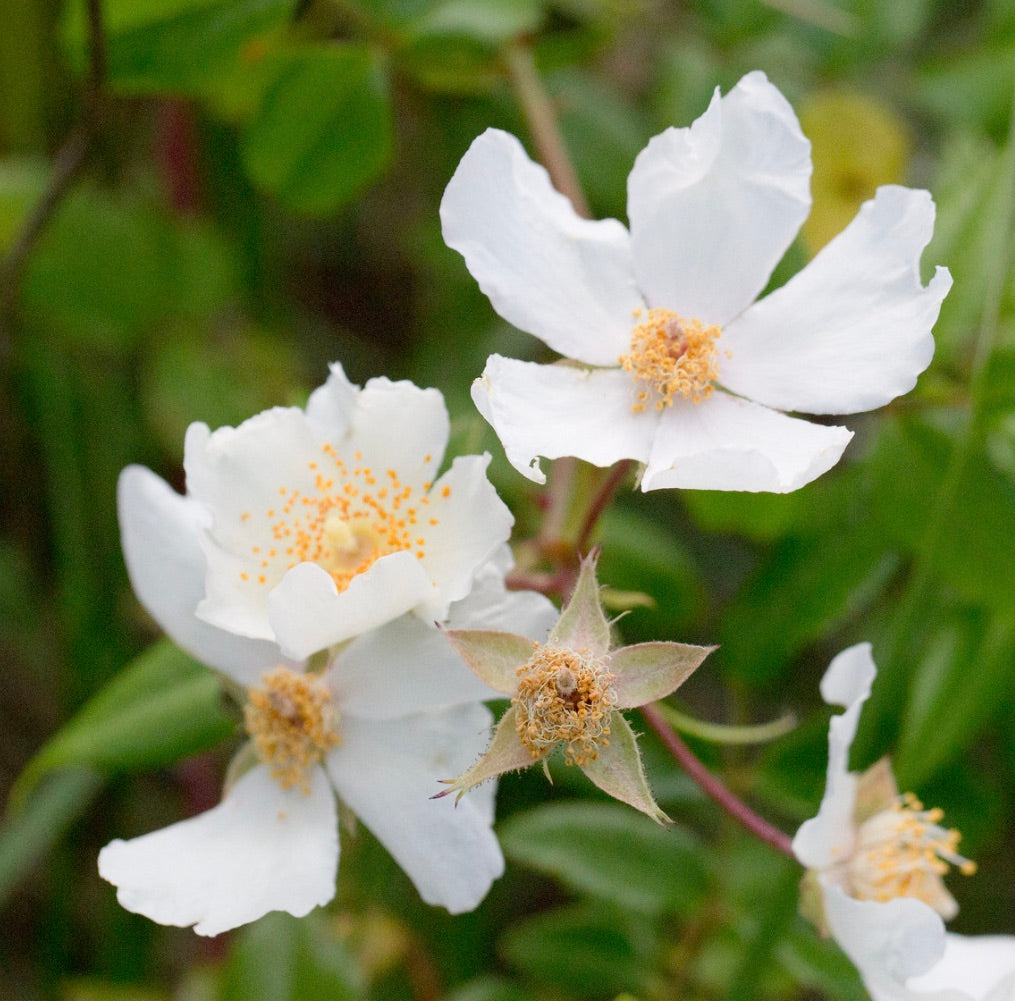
(674, 356)
(904, 851)
(292, 722)
(344, 517)
(563, 697)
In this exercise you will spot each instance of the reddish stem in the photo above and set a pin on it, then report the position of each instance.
(714, 788)
(601, 501)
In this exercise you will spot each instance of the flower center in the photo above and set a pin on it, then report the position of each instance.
(673, 357)
(293, 723)
(903, 852)
(563, 697)
(347, 520)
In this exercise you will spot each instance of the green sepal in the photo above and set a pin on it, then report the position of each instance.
(647, 672)
(582, 625)
(493, 656)
(506, 753)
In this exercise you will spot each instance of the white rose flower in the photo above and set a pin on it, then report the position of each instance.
(673, 362)
(321, 524)
(875, 863)
(393, 712)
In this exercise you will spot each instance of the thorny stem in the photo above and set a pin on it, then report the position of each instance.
(68, 161)
(714, 788)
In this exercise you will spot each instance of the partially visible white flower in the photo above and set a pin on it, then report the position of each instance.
(393, 712)
(321, 524)
(674, 363)
(875, 863)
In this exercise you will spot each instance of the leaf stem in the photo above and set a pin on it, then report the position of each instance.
(714, 788)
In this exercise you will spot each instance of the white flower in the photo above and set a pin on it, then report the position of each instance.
(674, 363)
(875, 862)
(393, 712)
(318, 525)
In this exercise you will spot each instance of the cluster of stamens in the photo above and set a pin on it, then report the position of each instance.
(292, 722)
(348, 519)
(904, 851)
(563, 697)
(674, 356)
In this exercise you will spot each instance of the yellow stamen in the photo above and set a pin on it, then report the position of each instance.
(674, 356)
(564, 697)
(903, 852)
(292, 722)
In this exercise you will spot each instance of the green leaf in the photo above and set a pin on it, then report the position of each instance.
(280, 958)
(956, 689)
(323, 130)
(803, 588)
(21, 184)
(28, 835)
(493, 22)
(584, 949)
(489, 989)
(610, 852)
(162, 706)
(191, 47)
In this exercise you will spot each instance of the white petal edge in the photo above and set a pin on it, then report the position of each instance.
(829, 837)
(160, 531)
(981, 967)
(261, 849)
(852, 330)
(409, 666)
(544, 269)
(387, 770)
(725, 443)
(472, 523)
(714, 207)
(557, 410)
(887, 942)
(308, 613)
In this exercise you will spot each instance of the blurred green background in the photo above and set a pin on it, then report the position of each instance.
(254, 192)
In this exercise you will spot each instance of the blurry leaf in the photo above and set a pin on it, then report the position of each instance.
(974, 555)
(489, 989)
(280, 958)
(163, 706)
(968, 665)
(323, 131)
(21, 184)
(641, 555)
(27, 835)
(819, 964)
(803, 588)
(455, 65)
(98, 990)
(610, 852)
(186, 47)
(583, 949)
(107, 270)
(493, 22)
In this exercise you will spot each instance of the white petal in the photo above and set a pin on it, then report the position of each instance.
(387, 770)
(887, 942)
(976, 965)
(239, 473)
(555, 410)
(308, 613)
(829, 837)
(725, 443)
(713, 207)
(396, 426)
(565, 279)
(261, 849)
(159, 531)
(408, 665)
(853, 329)
(464, 524)
(330, 407)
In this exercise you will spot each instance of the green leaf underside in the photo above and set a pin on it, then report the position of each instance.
(493, 656)
(623, 857)
(582, 624)
(617, 770)
(506, 753)
(161, 707)
(646, 672)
